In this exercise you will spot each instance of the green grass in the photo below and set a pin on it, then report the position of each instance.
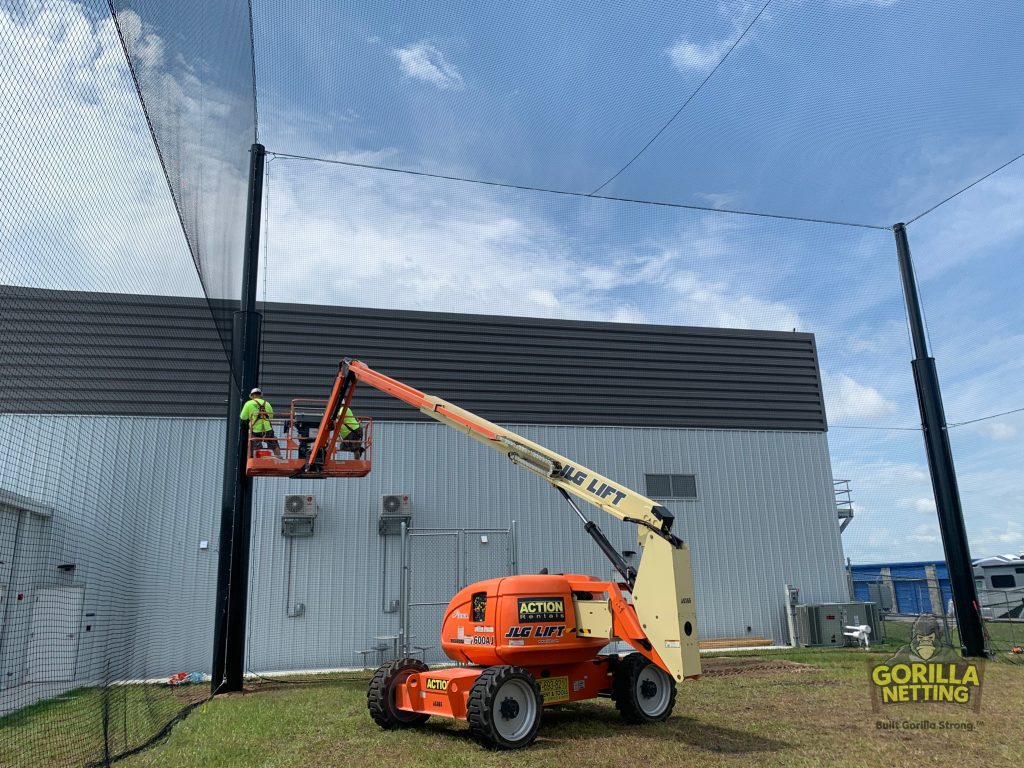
(787, 717)
(1002, 635)
(68, 730)
(810, 716)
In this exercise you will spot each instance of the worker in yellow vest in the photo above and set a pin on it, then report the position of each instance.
(258, 412)
(351, 432)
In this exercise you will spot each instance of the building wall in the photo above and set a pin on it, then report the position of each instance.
(160, 356)
(131, 498)
(913, 587)
(134, 496)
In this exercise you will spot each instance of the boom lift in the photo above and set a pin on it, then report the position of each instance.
(534, 640)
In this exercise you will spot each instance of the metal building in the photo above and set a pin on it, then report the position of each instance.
(725, 427)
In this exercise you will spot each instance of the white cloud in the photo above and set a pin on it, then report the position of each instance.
(718, 199)
(703, 301)
(86, 205)
(1005, 539)
(926, 533)
(922, 504)
(423, 61)
(688, 56)
(999, 431)
(848, 400)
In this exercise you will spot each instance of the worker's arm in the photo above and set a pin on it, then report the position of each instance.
(247, 410)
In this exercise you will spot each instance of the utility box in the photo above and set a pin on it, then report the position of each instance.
(821, 625)
(880, 593)
(395, 509)
(299, 516)
(857, 613)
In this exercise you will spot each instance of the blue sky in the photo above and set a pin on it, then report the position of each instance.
(868, 112)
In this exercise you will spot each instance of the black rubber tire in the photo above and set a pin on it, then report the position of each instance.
(486, 695)
(625, 684)
(380, 695)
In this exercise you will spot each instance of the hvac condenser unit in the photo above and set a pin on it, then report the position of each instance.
(395, 509)
(819, 625)
(299, 515)
(822, 624)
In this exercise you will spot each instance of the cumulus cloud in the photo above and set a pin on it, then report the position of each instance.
(706, 301)
(922, 504)
(87, 205)
(423, 61)
(687, 56)
(999, 431)
(926, 533)
(846, 399)
(1004, 539)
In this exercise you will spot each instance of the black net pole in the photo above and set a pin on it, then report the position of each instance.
(940, 465)
(236, 507)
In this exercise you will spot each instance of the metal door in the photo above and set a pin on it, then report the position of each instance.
(431, 578)
(10, 529)
(438, 563)
(53, 644)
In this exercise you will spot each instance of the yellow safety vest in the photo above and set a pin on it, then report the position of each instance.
(349, 423)
(257, 412)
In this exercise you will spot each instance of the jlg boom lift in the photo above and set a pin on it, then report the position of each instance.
(530, 641)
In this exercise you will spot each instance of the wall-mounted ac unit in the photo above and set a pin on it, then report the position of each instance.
(395, 509)
(299, 515)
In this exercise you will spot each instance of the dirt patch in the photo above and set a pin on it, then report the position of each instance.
(721, 666)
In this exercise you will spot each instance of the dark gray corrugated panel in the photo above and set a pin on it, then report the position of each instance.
(145, 355)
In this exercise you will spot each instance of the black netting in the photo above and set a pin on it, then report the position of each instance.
(867, 112)
(192, 64)
(112, 367)
(485, 201)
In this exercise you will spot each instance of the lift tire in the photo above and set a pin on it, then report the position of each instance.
(380, 696)
(503, 709)
(643, 691)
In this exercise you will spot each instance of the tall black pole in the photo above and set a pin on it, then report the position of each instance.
(940, 464)
(236, 505)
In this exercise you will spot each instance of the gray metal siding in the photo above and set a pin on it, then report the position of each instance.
(111, 354)
(133, 497)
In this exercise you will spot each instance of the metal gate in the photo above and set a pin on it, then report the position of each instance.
(437, 563)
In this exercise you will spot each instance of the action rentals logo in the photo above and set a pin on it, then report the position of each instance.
(926, 670)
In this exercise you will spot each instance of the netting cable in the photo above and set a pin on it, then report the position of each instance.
(685, 103)
(959, 192)
(570, 193)
(984, 418)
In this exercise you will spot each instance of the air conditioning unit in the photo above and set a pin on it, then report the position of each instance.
(395, 509)
(296, 505)
(297, 520)
(822, 624)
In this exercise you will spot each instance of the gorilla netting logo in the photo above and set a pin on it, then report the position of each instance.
(926, 670)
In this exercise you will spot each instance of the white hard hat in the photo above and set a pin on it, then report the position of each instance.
(255, 391)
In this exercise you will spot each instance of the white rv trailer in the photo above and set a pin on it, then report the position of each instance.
(1000, 584)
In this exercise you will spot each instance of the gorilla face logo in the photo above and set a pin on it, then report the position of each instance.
(927, 644)
(924, 645)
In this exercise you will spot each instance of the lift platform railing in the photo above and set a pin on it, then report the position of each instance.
(287, 453)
